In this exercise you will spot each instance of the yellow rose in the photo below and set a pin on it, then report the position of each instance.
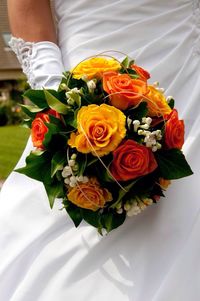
(89, 195)
(100, 129)
(157, 103)
(164, 183)
(95, 67)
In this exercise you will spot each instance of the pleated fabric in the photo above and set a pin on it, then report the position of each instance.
(155, 255)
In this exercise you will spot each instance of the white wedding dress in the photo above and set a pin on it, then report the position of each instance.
(155, 255)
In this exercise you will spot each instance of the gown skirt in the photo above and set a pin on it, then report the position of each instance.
(153, 256)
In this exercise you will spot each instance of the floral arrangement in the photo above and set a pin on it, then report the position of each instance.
(107, 142)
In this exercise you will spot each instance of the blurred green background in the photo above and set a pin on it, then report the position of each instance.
(13, 136)
(12, 85)
(12, 142)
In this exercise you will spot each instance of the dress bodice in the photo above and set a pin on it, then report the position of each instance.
(87, 27)
(163, 37)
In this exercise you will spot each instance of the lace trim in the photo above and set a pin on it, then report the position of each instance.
(24, 52)
(196, 14)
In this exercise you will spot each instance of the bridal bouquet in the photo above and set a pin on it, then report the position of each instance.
(107, 142)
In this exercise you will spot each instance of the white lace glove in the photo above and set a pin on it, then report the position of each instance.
(40, 61)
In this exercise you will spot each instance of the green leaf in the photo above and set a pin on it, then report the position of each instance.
(52, 129)
(55, 141)
(57, 162)
(57, 122)
(138, 112)
(91, 217)
(132, 62)
(171, 103)
(73, 211)
(82, 163)
(70, 118)
(123, 192)
(92, 160)
(74, 96)
(125, 62)
(27, 123)
(31, 111)
(55, 103)
(112, 220)
(54, 190)
(172, 164)
(37, 97)
(134, 76)
(38, 165)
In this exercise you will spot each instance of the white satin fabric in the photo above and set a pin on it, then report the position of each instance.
(155, 255)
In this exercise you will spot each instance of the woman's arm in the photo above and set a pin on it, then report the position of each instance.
(34, 42)
(31, 20)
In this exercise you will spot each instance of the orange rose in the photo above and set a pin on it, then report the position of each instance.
(174, 131)
(125, 91)
(132, 160)
(156, 102)
(89, 195)
(39, 129)
(143, 74)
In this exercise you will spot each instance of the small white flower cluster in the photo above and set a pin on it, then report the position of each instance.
(91, 84)
(68, 173)
(156, 86)
(169, 98)
(162, 90)
(73, 180)
(70, 96)
(145, 124)
(63, 86)
(135, 206)
(151, 139)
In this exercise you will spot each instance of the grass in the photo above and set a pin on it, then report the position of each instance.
(12, 142)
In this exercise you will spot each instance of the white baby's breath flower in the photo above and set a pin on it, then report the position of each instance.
(141, 132)
(144, 126)
(80, 178)
(136, 125)
(147, 201)
(148, 120)
(162, 90)
(127, 207)
(158, 145)
(154, 149)
(156, 84)
(129, 122)
(73, 179)
(67, 181)
(71, 162)
(70, 101)
(169, 98)
(66, 172)
(91, 85)
(85, 179)
(133, 211)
